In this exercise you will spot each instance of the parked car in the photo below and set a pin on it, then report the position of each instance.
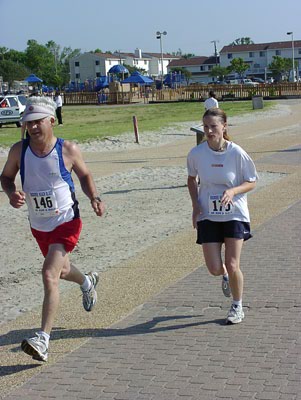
(11, 109)
(258, 80)
(22, 102)
(248, 82)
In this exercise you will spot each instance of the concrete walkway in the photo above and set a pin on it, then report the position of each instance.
(177, 346)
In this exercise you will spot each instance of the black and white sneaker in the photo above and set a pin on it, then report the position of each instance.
(36, 347)
(235, 315)
(90, 296)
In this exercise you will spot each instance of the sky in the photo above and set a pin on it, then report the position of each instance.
(191, 25)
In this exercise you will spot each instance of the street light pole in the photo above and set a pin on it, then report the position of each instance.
(159, 36)
(293, 49)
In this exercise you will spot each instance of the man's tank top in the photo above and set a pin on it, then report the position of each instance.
(49, 188)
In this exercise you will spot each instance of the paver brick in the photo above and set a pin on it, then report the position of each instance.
(177, 346)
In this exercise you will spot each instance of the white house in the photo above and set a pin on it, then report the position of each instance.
(88, 66)
(260, 55)
(199, 67)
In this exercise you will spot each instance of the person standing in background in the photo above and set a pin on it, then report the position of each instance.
(211, 101)
(59, 104)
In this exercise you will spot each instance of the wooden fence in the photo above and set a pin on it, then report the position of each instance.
(187, 93)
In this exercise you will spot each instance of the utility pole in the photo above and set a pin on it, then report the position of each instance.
(215, 50)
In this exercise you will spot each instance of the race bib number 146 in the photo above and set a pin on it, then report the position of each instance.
(217, 208)
(44, 203)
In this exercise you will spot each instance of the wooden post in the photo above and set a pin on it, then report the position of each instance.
(135, 122)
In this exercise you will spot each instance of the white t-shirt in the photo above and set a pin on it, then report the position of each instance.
(58, 100)
(210, 103)
(217, 172)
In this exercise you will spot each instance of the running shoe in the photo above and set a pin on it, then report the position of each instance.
(235, 315)
(90, 296)
(36, 347)
(225, 286)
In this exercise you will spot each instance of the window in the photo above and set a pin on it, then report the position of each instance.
(299, 51)
(202, 68)
(77, 76)
(76, 63)
(278, 52)
(251, 54)
(97, 74)
(145, 62)
(97, 62)
(210, 67)
(230, 55)
(256, 65)
(262, 53)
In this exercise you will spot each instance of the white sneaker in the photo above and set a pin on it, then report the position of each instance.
(235, 315)
(90, 296)
(36, 347)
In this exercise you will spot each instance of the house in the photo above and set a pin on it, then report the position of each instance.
(89, 66)
(199, 67)
(260, 55)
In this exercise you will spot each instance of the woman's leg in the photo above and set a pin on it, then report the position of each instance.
(213, 258)
(232, 261)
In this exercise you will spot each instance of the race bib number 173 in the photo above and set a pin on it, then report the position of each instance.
(217, 208)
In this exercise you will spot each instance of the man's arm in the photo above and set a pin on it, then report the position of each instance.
(75, 161)
(10, 170)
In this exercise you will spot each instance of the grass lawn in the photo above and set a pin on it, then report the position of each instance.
(82, 123)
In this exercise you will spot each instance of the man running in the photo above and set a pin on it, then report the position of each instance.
(45, 163)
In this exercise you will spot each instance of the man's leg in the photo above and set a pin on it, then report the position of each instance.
(53, 266)
(54, 262)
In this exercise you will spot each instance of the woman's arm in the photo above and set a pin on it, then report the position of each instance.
(194, 191)
(230, 193)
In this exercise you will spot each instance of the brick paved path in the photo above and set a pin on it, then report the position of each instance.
(176, 346)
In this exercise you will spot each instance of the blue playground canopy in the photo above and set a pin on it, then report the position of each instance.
(173, 79)
(32, 78)
(118, 69)
(136, 77)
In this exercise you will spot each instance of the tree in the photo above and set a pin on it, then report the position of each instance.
(39, 60)
(11, 71)
(132, 69)
(219, 72)
(239, 66)
(3, 52)
(188, 55)
(280, 67)
(240, 41)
